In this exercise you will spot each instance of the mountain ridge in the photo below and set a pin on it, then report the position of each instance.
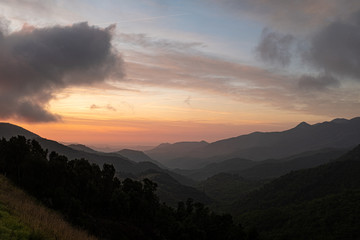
(258, 146)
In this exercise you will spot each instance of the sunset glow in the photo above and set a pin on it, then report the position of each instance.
(184, 70)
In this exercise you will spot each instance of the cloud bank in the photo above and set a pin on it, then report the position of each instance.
(35, 63)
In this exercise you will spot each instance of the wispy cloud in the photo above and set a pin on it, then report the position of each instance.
(107, 107)
(145, 19)
(188, 101)
(198, 72)
(147, 42)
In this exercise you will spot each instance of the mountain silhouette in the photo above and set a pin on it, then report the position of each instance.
(258, 146)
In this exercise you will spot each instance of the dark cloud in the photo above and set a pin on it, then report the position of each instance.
(275, 48)
(35, 63)
(336, 48)
(320, 82)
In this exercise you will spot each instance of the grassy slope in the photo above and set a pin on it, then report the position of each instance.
(11, 226)
(21, 217)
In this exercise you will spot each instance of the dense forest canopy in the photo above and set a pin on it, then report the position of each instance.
(94, 199)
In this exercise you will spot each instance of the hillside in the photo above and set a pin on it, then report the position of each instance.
(274, 168)
(133, 155)
(320, 202)
(308, 184)
(22, 217)
(120, 163)
(171, 191)
(226, 188)
(81, 147)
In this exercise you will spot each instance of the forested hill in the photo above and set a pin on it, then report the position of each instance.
(321, 202)
(94, 199)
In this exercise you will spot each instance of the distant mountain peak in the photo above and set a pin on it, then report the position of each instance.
(339, 120)
(303, 125)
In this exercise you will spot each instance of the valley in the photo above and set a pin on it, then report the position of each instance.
(271, 197)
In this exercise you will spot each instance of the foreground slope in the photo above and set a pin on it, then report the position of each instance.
(24, 218)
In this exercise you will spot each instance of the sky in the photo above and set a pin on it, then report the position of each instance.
(128, 73)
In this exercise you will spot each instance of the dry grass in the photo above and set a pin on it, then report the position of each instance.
(37, 217)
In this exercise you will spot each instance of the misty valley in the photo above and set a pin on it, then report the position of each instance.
(301, 183)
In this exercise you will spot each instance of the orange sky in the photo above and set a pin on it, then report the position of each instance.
(155, 117)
